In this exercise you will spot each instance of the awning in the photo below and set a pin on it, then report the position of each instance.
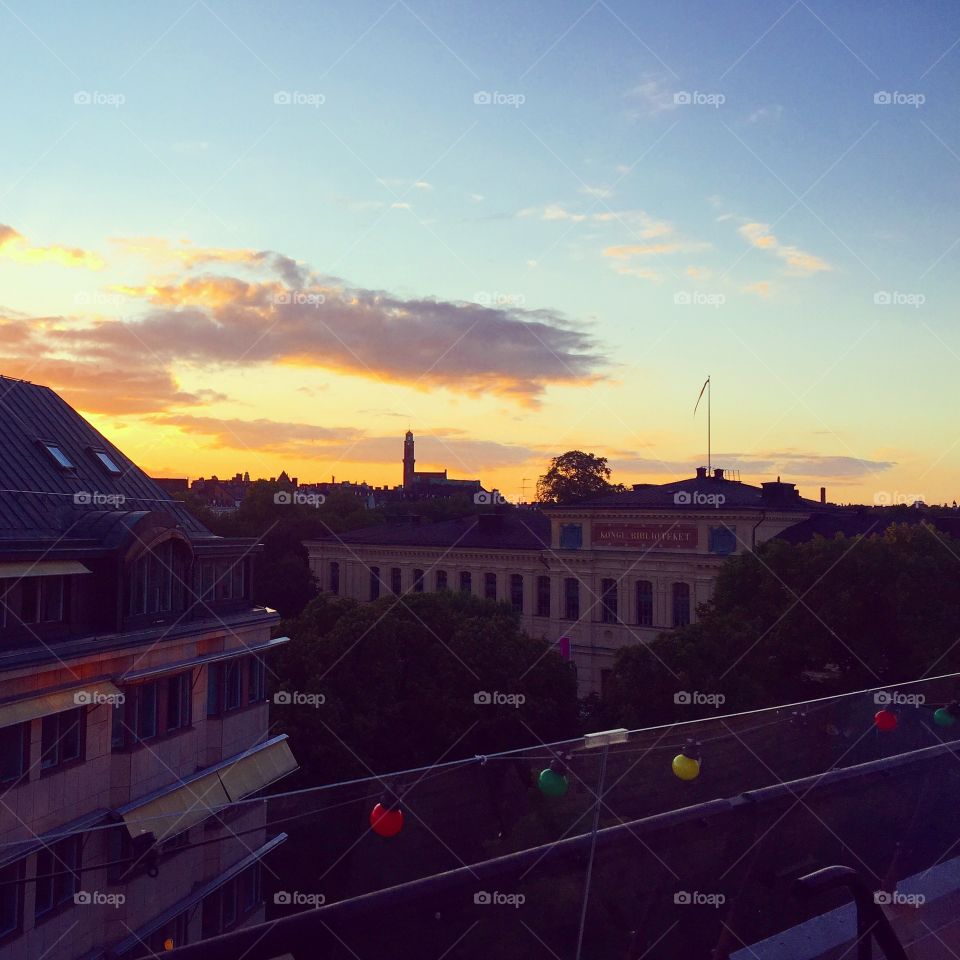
(176, 808)
(41, 568)
(179, 665)
(48, 702)
(139, 937)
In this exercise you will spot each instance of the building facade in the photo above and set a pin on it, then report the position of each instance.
(591, 577)
(133, 706)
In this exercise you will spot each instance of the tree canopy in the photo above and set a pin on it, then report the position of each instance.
(575, 476)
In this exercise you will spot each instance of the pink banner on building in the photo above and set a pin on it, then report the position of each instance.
(645, 536)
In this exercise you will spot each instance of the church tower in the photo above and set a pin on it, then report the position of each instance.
(408, 461)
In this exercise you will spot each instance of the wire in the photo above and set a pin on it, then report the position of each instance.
(515, 753)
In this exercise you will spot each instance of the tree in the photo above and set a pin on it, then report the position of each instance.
(575, 476)
(400, 680)
(788, 622)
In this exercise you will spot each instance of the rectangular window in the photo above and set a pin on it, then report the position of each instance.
(571, 598)
(228, 896)
(11, 899)
(374, 583)
(146, 700)
(396, 579)
(107, 461)
(441, 580)
(58, 873)
(644, 603)
(681, 604)
(14, 754)
(571, 536)
(516, 592)
(256, 680)
(58, 456)
(41, 599)
(179, 692)
(214, 688)
(61, 739)
(466, 582)
(608, 601)
(233, 685)
(418, 581)
(543, 596)
(334, 577)
(251, 888)
(239, 574)
(490, 586)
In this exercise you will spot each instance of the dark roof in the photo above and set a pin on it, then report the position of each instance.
(37, 497)
(510, 530)
(736, 496)
(865, 521)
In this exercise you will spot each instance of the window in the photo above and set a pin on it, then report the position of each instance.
(418, 581)
(14, 755)
(179, 692)
(238, 573)
(334, 577)
(644, 603)
(108, 462)
(396, 579)
(466, 585)
(155, 581)
(58, 456)
(490, 586)
(723, 540)
(441, 580)
(175, 930)
(62, 738)
(256, 680)
(543, 596)
(571, 598)
(41, 599)
(681, 604)
(58, 875)
(11, 899)
(608, 601)
(374, 583)
(145, 711)
(214, 688)
(233, 685)
(571, 536)
(224, 907)
(516, 592)
(251, 888)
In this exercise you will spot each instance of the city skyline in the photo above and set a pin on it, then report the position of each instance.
(514, 248)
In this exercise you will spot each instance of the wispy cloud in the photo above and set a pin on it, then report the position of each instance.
(799, 262)
(15, 246)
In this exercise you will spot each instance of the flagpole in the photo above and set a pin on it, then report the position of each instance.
(709, 470)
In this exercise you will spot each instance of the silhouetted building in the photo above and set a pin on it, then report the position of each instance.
(427, 483)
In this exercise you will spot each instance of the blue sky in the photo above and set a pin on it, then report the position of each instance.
(748, 234)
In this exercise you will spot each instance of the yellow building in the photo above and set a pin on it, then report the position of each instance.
(591, 577)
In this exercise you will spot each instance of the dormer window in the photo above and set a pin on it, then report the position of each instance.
(59, 457)
(108, 462)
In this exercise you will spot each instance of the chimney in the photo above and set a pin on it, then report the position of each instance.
(823, 494)
(718, 473)
(701, 473)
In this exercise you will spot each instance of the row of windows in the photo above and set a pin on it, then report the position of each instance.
(57, 880)
(33, 600)
(61, 743)
(609, 593)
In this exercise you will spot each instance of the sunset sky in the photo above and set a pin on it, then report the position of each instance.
(251, 237)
